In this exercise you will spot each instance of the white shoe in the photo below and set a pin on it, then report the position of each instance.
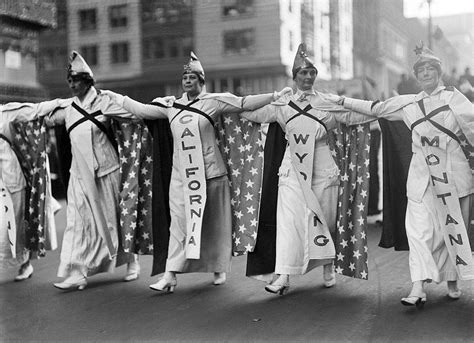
(279, 286)
(73, 282)
(25, 272)
(329, 275)
(133, 271)
(219, 278)
(453, 291)
(164, 285)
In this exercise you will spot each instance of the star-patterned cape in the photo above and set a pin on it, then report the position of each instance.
(242, 147)
(135, 149)
(30, 145)
(351, 146)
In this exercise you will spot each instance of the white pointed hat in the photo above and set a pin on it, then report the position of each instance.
(78, 65)
(302, 60)
(194, 66)
(426, 55)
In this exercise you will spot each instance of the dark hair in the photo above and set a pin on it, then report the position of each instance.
(299, 68)
(202, 81)
(88, 80)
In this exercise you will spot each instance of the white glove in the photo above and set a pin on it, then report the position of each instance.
(115, 97)
(65, 102)
(168, 101)
(336, 99)
(285, 91)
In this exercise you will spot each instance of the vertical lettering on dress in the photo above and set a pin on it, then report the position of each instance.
(301, 157)
(195, 213)
(450, 219)
(300, 138)
(195, 198)
(443, 196)
(192, 241)
(191, 171)
(432, 160)
(186, 118)
(194, 185)
(458, 241)
(433, 142)
(459, 260)
(444, 179)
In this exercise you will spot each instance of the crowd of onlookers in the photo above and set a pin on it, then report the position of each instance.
(464, 82)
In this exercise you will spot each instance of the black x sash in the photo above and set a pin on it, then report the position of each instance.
(435, 124)
(6, 139)
(91, 117)
(304, 112)
(188, 107)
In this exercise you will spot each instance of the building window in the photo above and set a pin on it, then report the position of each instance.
(153, 48)
(119, 52)
(173, 47)
(90, 54)
(186, 45)
(118, 16)
(235, 8)
(88, 19)
(167, 11)
(239, 41)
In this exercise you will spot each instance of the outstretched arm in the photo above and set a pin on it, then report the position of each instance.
(391, 109)
(236, 104)
(265, 114)
(141, 110)
(16, 111)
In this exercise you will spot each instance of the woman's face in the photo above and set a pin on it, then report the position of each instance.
(77, 85)
(191, 84)
(305, 78)
(428, 77)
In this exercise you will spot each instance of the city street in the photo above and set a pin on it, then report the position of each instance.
(112, 310)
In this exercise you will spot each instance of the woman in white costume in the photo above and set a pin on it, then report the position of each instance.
(91, 238)
(13, 245)
(199, 182)
(308, 177)
(440, 179)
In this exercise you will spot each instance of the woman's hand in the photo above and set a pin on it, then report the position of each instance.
(115, 97)
(284, 92)
(65, 102)
(168, 101)
(336, 99)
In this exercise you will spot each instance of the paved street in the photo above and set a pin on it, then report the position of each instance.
(112, 310)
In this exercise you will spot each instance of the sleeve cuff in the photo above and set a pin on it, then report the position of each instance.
(361, 106)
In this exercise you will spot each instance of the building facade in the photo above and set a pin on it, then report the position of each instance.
(138, 47)
(20, 23)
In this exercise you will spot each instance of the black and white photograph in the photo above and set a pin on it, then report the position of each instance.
(236, 171)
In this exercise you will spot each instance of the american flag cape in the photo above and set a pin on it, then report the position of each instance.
(351, 146)
(241, 145)
(135, 148)
(30, 145)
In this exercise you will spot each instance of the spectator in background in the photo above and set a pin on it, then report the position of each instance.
(452, 79)
(466, 82)
(408, 85)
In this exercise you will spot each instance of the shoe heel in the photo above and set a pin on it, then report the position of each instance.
(420, 303)
(170, 289)
(284, 290)
(81, 287)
